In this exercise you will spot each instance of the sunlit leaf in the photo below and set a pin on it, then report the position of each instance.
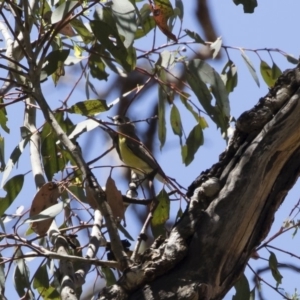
(216, 47)
(14, 157)
(63, 10)
(89, 107)
(81, 29)
(266, 73)
(276, 72)
(125, 17)
(161, 213)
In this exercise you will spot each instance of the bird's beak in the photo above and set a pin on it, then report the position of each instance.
(110, 118)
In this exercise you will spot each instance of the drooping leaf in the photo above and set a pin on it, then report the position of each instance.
(12, 188)
(175, 120)
(162, 129)
(109, 276)
(104, 33)
(114, 199)
(249, 5)
(81, 29)
(250, 67)
(242, 289)
(53, 162)
(273, 264)
(2, 277)
(292, 59)
(229, 76)
(46, 197)
(89, 107)
(125, 17)
(195, 36)
(266, 73)
(53, 62)
(63, 10)
(161, 213)
(276, 72)
(96, 63)
(162, 11)
(14, 157)
(147, 25)
(216, 47)
(48, 213)
(21, 274)
(180, 7)
(3, 117)
(193, 142)
(199, 73)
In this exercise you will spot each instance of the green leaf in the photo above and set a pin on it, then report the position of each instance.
(193, 142)
(249, 5)
(273, 264)
(81, 29)
(147, 25)
(53, 61)
(180, 7)
(89, 107)
(216, 47)
(242, 289)
(166, 59)
(292, 59)
(53, 162)
(161, 213)
(3, 117)
(176, 121)
(162, 130)
(266, 73)
(276, 72)
(63, 10)
(104, 34)
(12, 188)
(250, 67)
(199, 73)
(14, 157)
(2, 158)
(21, 275)
(2, 277)
(125, 17)
(109, 276)
(229, 76)
(195, 36)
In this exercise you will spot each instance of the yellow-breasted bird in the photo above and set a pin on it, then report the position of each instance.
(133, 152)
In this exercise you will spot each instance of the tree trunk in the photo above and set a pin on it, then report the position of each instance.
(231, 210)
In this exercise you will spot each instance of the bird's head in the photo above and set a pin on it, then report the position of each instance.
(123, 123)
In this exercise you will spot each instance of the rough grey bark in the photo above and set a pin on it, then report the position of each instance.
(231, 210)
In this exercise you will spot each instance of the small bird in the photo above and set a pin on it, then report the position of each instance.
(132, 151)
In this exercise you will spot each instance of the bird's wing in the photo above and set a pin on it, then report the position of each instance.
(143, 152)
